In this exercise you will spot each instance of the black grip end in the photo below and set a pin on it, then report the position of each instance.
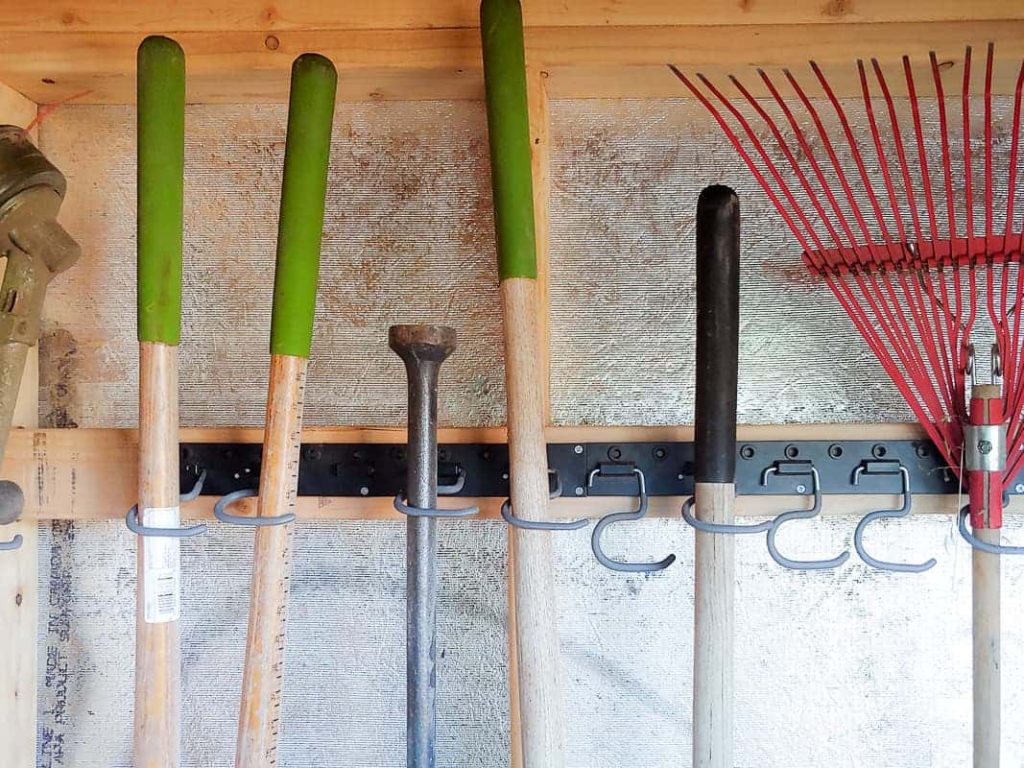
(718, 301)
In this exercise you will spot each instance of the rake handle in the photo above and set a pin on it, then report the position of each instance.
(718, 251)
(161, 152)
(538, 663)
(303, 199)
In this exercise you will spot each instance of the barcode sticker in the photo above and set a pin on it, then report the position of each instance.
(162, 574)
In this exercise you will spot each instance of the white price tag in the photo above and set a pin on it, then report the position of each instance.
(162, 574)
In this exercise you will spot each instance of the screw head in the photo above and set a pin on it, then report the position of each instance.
(801, 488)
(1019, 488)
(364, 491)
(579, 490)
(984, 447)
(577, 449)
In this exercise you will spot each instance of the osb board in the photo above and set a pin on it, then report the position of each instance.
(408, 237)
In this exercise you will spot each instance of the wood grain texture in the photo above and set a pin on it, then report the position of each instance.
(89, 474)
(713, 628)
(19, 583)
(239, 66)
(157, 651)
(263, 675)
(219, 15)
(540, 145)
(541, 706)
(986, 610)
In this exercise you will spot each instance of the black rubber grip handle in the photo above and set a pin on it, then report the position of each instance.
(718, 327)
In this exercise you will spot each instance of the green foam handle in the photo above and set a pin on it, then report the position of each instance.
(161, 168)
(508, 126)
(303, 196)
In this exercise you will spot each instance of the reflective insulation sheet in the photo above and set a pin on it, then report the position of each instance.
(625, 178)
(853, 667)
(408, 238)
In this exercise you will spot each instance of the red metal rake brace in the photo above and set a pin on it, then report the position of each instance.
(911, 277)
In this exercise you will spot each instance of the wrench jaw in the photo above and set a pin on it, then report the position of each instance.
(34, 248)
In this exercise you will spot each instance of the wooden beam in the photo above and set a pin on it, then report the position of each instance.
(239, 66)
(19, 569)
(89, 474)
(157, 16)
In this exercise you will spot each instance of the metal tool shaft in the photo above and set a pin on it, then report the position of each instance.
(423, 348)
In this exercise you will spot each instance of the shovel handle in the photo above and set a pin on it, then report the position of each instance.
(718, 320)
(161, 168)
(303, 194)
(508, 126)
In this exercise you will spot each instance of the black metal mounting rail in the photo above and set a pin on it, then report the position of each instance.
(343, 469)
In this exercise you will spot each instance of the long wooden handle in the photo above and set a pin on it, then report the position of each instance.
(303, 196)
(541, 707)
(715, 471)
(986, 611)
(161, 149)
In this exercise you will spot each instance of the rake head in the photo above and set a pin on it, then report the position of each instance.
(908, 209)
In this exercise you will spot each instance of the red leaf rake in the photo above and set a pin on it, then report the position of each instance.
(895, 234)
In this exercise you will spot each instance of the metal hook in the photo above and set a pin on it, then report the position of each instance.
(458, 485)
(984, 546)
(730, 528)
(542, 525)
(252, 521)
(888, 468)
(442, 490)
(136, 527)
(798, 468)
(616, 517)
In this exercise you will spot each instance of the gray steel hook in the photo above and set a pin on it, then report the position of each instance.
(616, 517)
(251, 521)
(888, 514)
(442, 490)
(984, 546)
(798, 468)
(136, 527)
(730, 528)
(542, 525)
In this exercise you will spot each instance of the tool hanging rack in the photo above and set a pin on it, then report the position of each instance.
(481, 470)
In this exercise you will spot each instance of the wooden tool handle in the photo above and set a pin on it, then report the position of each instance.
(161, 110)
(986, 610)
(303, 197)
(715, 459)
(538, 663)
